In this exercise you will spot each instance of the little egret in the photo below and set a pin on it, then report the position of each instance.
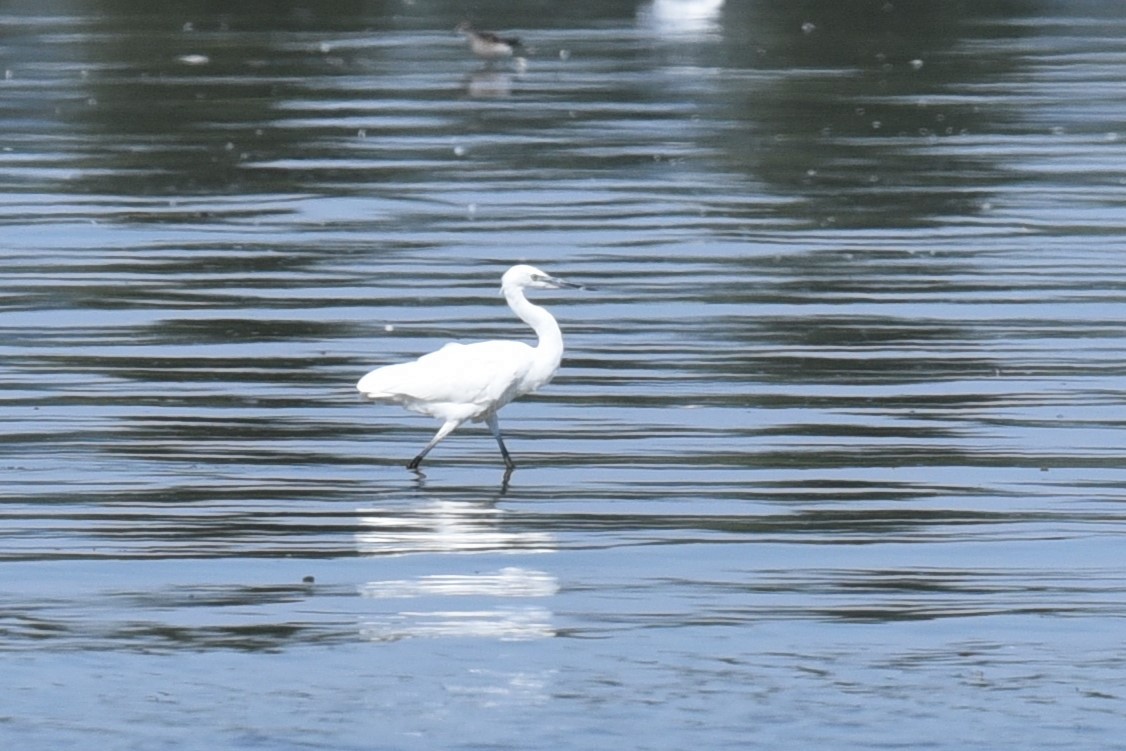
(463, 382)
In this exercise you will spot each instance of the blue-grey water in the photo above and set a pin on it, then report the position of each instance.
(836, 457)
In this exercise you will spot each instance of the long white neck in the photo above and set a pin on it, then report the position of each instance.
(549, 351)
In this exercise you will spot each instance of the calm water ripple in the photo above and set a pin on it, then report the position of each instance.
(835, 455)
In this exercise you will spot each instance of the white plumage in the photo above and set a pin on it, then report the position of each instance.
(463, 382)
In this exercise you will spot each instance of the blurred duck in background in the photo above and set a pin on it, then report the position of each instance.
(487, 45)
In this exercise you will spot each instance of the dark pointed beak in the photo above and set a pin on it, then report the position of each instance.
(564, 283)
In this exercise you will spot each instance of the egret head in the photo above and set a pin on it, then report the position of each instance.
(524, 276)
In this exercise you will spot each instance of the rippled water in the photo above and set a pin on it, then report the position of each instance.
(835, 456)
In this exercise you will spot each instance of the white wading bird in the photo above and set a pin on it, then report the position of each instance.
(463, 382)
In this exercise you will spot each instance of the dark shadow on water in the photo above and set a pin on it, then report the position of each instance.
(422, 484)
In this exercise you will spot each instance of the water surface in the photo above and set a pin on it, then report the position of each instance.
(835, 456)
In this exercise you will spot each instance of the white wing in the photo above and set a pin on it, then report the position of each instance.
(459, 381)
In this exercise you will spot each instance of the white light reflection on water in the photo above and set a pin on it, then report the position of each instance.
(516, 623)
(511, 581)
(444, 527)
(454, 527)
(681, 18)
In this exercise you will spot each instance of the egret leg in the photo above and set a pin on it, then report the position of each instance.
(445, 430)
(494, 427)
